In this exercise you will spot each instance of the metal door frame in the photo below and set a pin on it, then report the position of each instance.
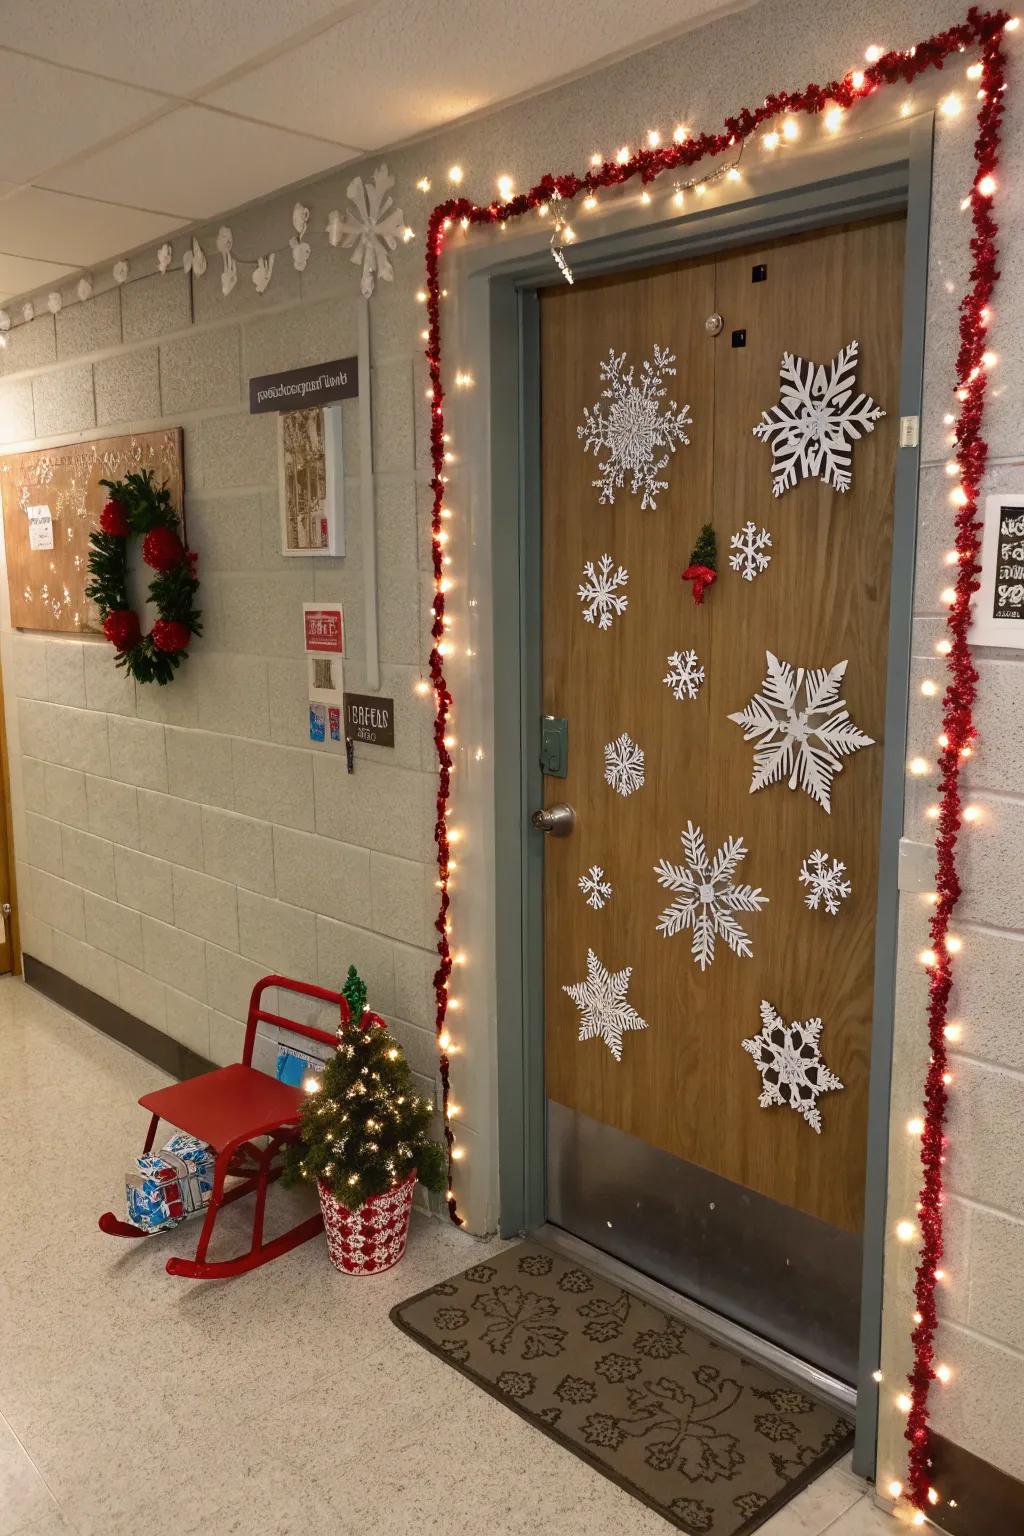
(897, 177)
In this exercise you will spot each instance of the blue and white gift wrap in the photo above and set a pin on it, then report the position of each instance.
(167, 1186)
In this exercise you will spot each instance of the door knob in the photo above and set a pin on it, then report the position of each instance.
(558, 820)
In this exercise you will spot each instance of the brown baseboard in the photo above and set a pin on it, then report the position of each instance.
(977, 1498)
(151, 1043)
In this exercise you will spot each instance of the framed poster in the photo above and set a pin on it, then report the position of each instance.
(998, 616)
(311, 472)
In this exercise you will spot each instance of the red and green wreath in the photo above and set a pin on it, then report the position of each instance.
(138, 509)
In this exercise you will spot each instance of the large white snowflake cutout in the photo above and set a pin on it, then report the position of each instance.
(824, 882)
(599, 592)
(707, 896)
(750, 545)
(788, 1058)
(595, 887)
(635, 427)
(374, 226)
(817, 420)
(801, 727)
(685, 675)
(601, 999)
(624, 765)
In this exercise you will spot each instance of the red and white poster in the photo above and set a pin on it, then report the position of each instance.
(324, 629)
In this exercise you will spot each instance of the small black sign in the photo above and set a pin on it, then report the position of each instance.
(370, 718)
(303, 388)
(1008, 601)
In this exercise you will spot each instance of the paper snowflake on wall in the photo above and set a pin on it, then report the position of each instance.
(824, 881)
(801, 727)
(750, 545)
(595, 887)
(373, 226)
(601, 999)
(599, 592)
(707, 897)
(788, 1058)
(685, 674)
(817, 420)
(634, 429)
(624, 765)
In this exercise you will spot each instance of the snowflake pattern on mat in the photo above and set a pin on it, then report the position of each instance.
(707, 896)
(824, 881)
(750, 545)
(802, 728)
(595, 887)
(604, 1011)
(624, 765)
(685, 674)
(599, 594)
(817, 420)
(635, 427)
(788, 1057)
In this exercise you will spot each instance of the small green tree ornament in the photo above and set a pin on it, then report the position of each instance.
(703, 566)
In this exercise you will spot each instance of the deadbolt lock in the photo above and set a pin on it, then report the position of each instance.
(713, 324)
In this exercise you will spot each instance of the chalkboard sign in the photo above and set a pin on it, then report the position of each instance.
(1009, 584)
(999, 605)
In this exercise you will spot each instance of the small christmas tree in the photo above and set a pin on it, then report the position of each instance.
(364, 1127)
(703, 562)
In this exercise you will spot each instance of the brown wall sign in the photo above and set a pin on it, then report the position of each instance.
(304, 388)
(370, 718)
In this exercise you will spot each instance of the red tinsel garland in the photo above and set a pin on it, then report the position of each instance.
(982, 29)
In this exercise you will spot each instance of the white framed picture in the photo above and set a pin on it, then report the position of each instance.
(311, 472)
(998, 613)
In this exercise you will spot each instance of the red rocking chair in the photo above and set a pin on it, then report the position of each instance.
(229, 1108)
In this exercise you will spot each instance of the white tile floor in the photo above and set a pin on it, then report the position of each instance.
(282, 1403)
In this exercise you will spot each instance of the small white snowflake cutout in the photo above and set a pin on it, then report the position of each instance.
(685, 674)
(788, 1057)
(624, 765)
(707, 896)
(373, 226)
(750, 545)
(634, 429)
(824, 882)
(802, 728)
(601, 999)
(599, 592)
(816, 422)
(596, 888)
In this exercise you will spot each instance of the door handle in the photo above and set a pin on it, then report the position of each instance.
(557, 820)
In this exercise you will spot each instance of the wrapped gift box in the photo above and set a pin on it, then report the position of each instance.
(167, 1186)
(294, 1066)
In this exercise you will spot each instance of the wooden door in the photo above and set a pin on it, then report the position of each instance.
(684, 1083)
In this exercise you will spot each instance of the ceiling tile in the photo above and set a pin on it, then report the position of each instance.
(175, 47)
(48, 114)
(197, 162)
(75, 231)
(19, 275)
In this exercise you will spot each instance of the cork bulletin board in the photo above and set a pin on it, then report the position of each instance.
(52, 499)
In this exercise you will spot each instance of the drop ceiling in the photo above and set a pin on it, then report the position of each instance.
(121, 123)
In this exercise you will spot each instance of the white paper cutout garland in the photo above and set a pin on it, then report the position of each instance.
(624, 765)
(707, 897)
(824, 881)
(599, 591)
(817, 420)
(596, 888)
(790, 739)
(751, 545)
(685, 675)
(635, 427)
(788, 1057)
(601, 999)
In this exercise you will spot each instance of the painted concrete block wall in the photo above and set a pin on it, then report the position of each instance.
(173, 845)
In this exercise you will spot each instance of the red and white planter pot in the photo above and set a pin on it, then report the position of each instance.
(372, 1239)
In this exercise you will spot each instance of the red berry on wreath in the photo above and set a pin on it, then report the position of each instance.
(162, 549)
(114, 519)
(121, 627)
(170, 635)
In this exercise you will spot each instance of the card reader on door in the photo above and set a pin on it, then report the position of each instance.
(554, 746)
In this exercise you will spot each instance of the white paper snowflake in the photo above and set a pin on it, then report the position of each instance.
(601, 999)
(636, 427)
(599, 592)
(817, 420)
(806, 739)
(788, 1058)
(374, 227)
(595, 887)
(707, 896)
(750, 545)
(624, 765)
(824, 881)
(685, 674)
